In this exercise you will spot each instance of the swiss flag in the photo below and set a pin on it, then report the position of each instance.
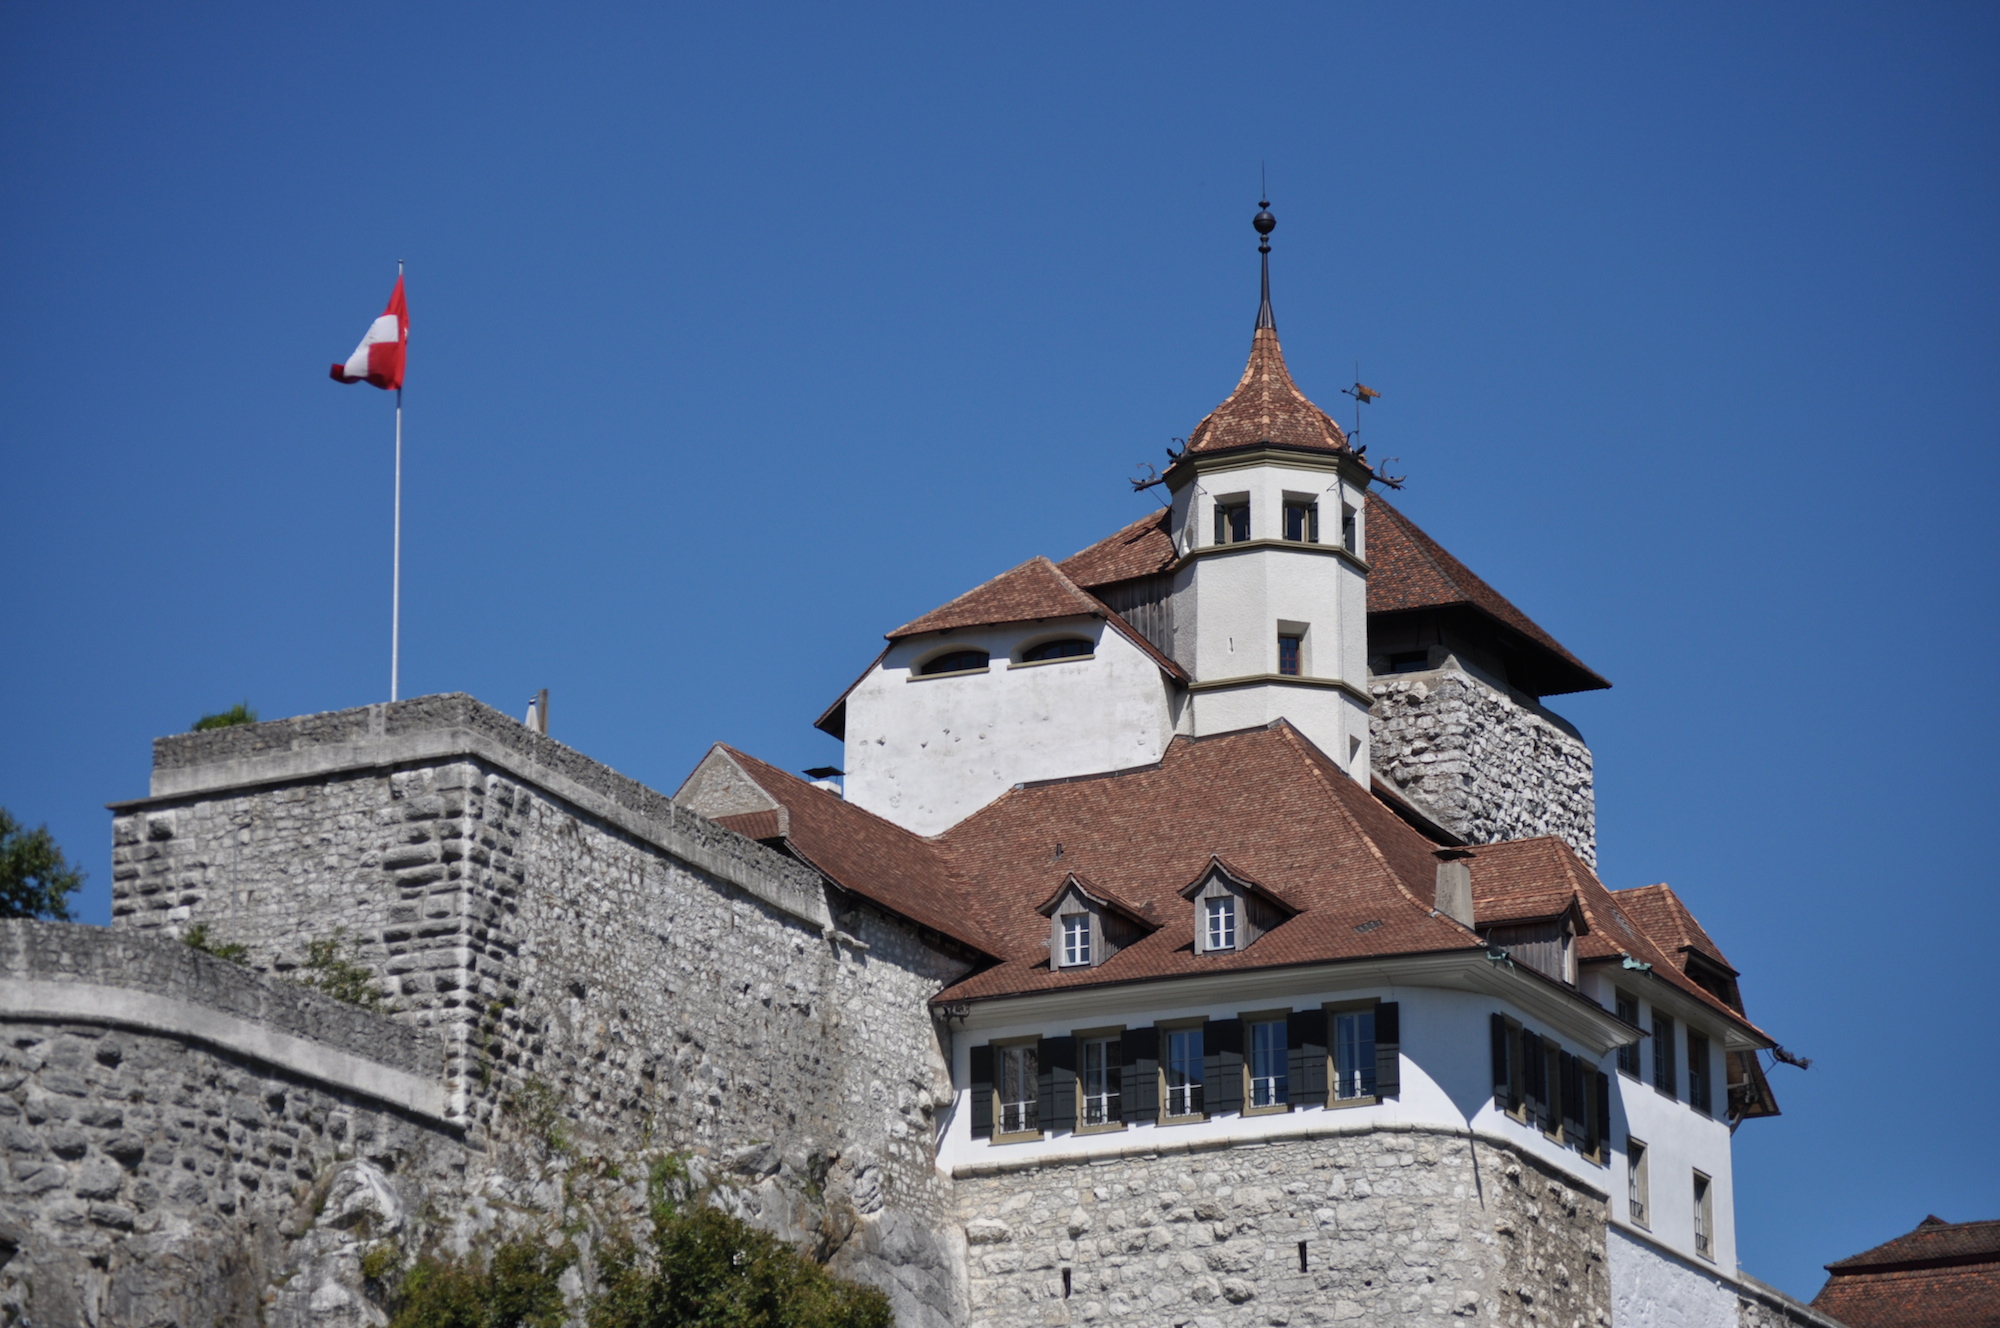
(379, 357)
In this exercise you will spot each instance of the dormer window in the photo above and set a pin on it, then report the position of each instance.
(1301, 522)
(1221, 917)
(1232, 520)
(1076, 946)
(955, 661)
(1072, 647)
(1230, 911)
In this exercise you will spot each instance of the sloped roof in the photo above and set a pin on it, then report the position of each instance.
(1144, 548)
(862, 853)
(1941, 1275)
(1266, 407)
(1032, 591)
(1409, 570)
(1660, 911)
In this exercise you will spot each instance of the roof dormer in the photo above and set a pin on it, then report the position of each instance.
(1088, 925)
(1230, 910)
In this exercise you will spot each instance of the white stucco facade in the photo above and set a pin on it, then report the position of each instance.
(927, 751)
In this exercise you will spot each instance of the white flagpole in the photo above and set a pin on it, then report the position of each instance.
(396, 584)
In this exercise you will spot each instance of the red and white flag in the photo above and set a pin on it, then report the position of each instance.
(379, 357)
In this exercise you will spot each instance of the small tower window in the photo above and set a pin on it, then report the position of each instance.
(1076, 939)
(1232, 522)
(1288, 655)
(1350, 528)
(1302, 523)
(957, 661)
(1068, 648)
(1221, 923)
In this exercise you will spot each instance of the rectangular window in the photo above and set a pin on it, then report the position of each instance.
(1704, 1217)
(1350, 529)
(1302, 523)
(1663, 1055)
(1628, 1057)
(1270, 1064)
(1288, 655)
(1076, 939)
(1698, 1076)
(1102, 1081)
(1019, 1090)
(1232, 523)
(1635, 1183)
(1183, 1072)
(1354, 1054)
(1221, 923)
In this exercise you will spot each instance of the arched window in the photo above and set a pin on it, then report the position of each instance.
(958, 661)
(1070, 647)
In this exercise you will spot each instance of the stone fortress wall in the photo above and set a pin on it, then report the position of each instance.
(1486, 763)
(560, 936)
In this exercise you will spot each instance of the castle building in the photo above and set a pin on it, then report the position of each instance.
(1206, 933)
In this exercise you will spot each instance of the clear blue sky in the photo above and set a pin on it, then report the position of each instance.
(744, 333)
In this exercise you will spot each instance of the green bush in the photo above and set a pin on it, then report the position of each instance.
(330, 969)
(240, 713)
(197, 938)
(35, 881)
(517, 1288)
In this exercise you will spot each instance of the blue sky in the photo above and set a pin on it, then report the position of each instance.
(745, 333)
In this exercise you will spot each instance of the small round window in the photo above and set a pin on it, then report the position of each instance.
(1069, 648)
(958, 661)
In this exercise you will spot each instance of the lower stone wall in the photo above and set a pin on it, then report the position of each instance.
(1398, 1226)
(1487, 766)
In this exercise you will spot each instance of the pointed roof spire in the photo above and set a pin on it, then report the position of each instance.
(1266, 407)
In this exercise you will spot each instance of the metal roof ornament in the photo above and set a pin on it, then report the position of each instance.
(1265, 224)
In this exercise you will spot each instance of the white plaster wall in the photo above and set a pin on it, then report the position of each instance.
(1652, 1289)
(1446, 1081)
(1679, 1140)
(928, 752)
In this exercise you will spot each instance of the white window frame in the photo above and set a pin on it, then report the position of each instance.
(1076, 940)
(1636, 1186)
(1100, 1085)
(1219, 923)
(1704, 1216)
(1018, 1068)
(1270, 1090)
(1353, 1067)
(1184, 1100)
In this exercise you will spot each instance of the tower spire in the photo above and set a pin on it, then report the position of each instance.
(1265, 224)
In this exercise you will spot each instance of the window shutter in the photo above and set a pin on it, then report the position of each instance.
(1573, 1108)
(1222, 1066)
(982, 1092)
(1600, 1134)
(1305, 1035)
(1503, 1078)
(1533, 1073)
(1141, 1075)
(1058, 1087)
(1388, 1049)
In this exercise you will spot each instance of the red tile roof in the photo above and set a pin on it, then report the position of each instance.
(1409, 570)
(1144, 548)
(1266, 407)
(1941, 1275)
(1660, 911)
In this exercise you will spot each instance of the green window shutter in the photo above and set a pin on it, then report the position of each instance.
(982, 1092)
(1222, 1066)
(1057, 1107)
(1141, 1074)
(1388, 1049)
(1305, 1035)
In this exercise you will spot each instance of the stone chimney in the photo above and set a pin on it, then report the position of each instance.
(1454, 884)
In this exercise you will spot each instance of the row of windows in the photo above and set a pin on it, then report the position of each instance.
(1175, 1073)
(1638, 1197)
(1229, 915)
(964, 661)
(1700, 1071)
(1301, 522)
(1538, 1083)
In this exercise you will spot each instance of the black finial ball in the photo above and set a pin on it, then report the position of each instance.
(1264, 221)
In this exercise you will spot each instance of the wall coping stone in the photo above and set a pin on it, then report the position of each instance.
(452, 725)
(57, 972)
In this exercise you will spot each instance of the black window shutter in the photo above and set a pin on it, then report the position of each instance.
(1058, 1086)
(1534, 1072)
(1222, 1066)
(1305, 1035)
(1573, 1109)
(1141, 1075)
(982, 1092)
(1503, 1074)
(1388, 1048)
(1600, 1134)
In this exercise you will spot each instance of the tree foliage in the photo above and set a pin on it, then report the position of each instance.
(240, 713)
(35, 881)
(518, 1287)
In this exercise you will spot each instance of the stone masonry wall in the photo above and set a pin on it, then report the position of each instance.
(568, 958)
(1399, 1226)
(1485, 765)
